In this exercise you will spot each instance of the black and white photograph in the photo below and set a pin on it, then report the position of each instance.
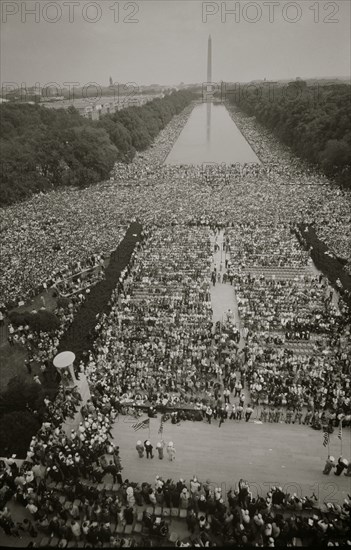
(175, 273)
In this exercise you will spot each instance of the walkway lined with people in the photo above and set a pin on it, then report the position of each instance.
(223, 298)
(222, 295)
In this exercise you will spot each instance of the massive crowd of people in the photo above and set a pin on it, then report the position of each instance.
(51, 231)
(157, 345)
(51, 239)
(276, 310)
(159, 337)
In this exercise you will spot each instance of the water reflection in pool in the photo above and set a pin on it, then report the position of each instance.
(210, 135)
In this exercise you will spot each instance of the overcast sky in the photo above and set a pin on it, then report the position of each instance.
(167, 42)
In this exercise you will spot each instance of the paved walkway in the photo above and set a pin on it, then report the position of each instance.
(265, 454)
(222, 294)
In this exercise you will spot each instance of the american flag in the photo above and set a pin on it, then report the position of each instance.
(141, 425)
(340, 430)
(326, 437)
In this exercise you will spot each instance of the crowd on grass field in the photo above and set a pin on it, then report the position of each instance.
(157, 344)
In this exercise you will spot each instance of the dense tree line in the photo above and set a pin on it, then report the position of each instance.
(331, 265)
(22, 407)
(43, 149)
(42, 320)
(313, 121)
(22, 411)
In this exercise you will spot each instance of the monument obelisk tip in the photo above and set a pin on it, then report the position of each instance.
(209, 59)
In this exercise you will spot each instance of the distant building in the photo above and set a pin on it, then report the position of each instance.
(56, 98)
(97, 110)
(298, 83)
(33, 91)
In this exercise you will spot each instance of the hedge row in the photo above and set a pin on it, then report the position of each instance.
(43, 320)
(331, 266)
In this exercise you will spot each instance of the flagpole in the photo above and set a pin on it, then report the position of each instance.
(160, 431)
(326, 438)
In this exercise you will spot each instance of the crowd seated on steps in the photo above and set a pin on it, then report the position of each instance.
(69, 510)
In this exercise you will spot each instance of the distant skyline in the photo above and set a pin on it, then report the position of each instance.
(167, 42)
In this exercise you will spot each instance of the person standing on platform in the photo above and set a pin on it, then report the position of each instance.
(233, 413)
(222, 413)
(248, 412)
(209, 413)
(341, 465)
(242, 399)
(330, 463)
(148, 449)
(159, 448)
(140, 448)
(239, 412)
(171, 451)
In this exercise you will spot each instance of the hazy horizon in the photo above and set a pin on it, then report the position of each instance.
(105, 86)
(166, 42)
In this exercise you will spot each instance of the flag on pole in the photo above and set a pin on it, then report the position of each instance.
(160, 431)
(326, 436)
(340, 430)
(141, 425)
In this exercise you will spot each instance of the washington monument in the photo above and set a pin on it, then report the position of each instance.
(209, 60)
(209, 91)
